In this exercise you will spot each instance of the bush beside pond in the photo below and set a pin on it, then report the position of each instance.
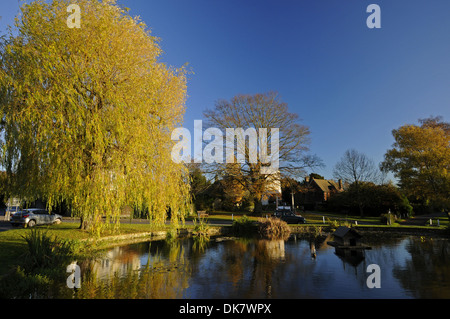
(273, 228)
(266, 228)
(243, 226)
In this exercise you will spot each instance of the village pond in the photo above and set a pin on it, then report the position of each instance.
(410, 267)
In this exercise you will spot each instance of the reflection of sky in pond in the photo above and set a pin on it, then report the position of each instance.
(334, 278)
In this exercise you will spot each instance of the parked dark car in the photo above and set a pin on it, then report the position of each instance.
(289, 217)
(34, 216)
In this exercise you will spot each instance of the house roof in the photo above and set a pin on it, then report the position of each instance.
(342, 231)
(325, 184)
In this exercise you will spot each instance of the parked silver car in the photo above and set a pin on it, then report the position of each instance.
(34, 216)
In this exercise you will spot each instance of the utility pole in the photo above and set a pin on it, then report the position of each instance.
(293, 206)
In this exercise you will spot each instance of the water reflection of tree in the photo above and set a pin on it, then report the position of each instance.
(239, 268)
(267, 255)
(427, 269)
(165, 275)
(233, 257)
(252, 269)
(265, 269)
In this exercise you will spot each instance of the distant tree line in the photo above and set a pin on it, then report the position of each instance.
(372, 199)
(419, 160)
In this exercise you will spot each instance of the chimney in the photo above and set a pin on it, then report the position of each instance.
(340, 184)
(307, 179)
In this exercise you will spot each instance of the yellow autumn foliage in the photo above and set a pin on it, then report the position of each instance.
(420, 158)
(87, 112)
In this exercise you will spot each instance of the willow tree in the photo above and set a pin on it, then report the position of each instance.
(87, 112)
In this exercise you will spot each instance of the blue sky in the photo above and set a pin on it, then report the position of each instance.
(349, 84)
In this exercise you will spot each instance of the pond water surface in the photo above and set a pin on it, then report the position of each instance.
(410, 267)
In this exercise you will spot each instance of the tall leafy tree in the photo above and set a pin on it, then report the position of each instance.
(262, 111)
(86, 113)
(420, 159)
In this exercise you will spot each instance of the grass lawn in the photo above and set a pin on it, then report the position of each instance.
(311, 217)
(225, 216)
(316, 217)
(12, 246)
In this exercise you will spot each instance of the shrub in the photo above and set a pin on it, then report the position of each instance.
(388, 219)
(333, 224)
(21, 285)
(317, 231)
(46, 252)
(200, 235)
(273, 228)
(243, 226)
(201, 229)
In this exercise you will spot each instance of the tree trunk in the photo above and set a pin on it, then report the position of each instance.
(258, 205)
(359, 199)
(361, 210)
(84, 224)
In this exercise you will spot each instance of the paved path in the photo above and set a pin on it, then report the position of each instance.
(4, 225)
